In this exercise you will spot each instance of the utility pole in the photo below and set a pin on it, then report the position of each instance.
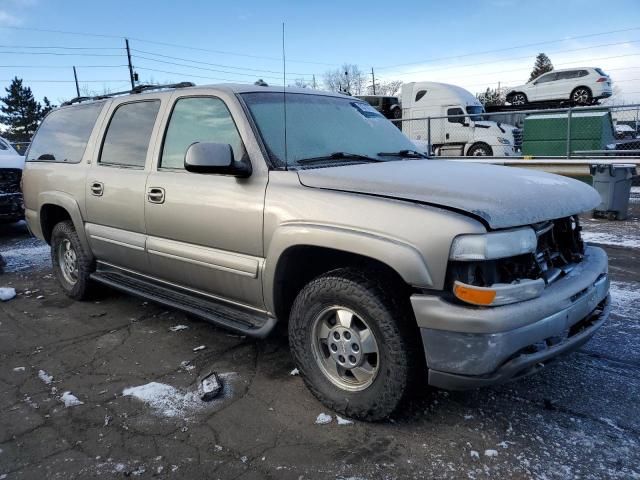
(75, 76)
(373, 79)
(314, 81)
(133, 83)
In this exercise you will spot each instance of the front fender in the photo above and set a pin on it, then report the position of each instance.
(402, 257)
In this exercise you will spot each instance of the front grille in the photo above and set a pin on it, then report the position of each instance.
(560, 247)
(10, 180)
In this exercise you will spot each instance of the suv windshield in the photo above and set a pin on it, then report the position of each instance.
(475, 113)
(319, 126)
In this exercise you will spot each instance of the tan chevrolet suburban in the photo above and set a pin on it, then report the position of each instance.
(390, 269)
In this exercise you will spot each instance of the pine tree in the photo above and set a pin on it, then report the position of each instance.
(46, 108)
(543, 65)
(21, 113)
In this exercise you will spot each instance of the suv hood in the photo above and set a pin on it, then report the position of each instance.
(501, 196)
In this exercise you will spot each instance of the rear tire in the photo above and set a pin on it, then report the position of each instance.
(71, 264)
(518, 99)
(581, 96)
(396, 113)
(355, 343)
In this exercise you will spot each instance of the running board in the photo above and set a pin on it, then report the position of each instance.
(244, 321)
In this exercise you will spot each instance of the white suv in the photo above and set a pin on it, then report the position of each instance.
(580, 86)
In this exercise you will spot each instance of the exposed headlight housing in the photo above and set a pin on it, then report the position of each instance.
(494, 245)
(503, 141)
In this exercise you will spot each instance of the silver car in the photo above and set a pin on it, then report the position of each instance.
(247, 210)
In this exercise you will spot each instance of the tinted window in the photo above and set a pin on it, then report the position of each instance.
(455, 111)
(3, 145)
(198, 120)
(583, 73)
(601, 72)
(64, 134)
(128, 134)
(420, 94)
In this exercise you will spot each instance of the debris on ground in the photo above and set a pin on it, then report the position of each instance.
(294, 372)
(211, 387)
(323, 419)
(70, 400)
(491, 453)
(7, 293)
(197, 349)
(18, 369)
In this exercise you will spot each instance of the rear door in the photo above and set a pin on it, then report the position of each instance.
(205, 230)
(544, 88)
(115, 190)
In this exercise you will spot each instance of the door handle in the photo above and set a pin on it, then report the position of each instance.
(97, 189)
(155, 195)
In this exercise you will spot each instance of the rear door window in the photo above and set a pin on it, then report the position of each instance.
(128, 135)
(64, 134)
(549, 77)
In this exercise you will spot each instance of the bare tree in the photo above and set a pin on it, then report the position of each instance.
(301, 83)
(347, 79)
(389, 88)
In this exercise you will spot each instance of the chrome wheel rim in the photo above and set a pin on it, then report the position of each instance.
(479, 152)
(68, 261)
(518, 100)
(345, 348)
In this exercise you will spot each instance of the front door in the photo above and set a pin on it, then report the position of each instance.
(205, 230)
(115, 191)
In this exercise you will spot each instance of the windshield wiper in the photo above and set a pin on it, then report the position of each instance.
(404, 154)
(338, 156)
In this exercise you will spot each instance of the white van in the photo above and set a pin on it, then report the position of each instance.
(457, 125)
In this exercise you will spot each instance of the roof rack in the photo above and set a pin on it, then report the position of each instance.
(137, 89)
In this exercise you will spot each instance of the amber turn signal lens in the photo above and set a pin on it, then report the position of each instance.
(474, 295)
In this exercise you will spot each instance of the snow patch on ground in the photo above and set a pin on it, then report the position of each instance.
(343, 421)
(168, 401)
(323, 419)
(294, 372)
(27, 254)
(613, 239)
(70, 400)
(18, 369)
(45, 377)
(177, 328)
(7, 293)
(625, 298)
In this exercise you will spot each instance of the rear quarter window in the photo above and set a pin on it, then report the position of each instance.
(64, 134)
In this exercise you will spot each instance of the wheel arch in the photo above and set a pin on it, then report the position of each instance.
(479, 143)
(300, 253)
(56, 207)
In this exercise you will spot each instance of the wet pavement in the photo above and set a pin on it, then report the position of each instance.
(577, 418)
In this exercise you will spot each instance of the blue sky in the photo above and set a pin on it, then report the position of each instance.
(411, 40)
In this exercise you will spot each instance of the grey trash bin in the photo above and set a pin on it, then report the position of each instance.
(613, 183)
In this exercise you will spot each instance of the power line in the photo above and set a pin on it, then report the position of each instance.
(69, 81)
(65, 54)
(60, 47)
(193, 76)
(62, 66)
(166, 44)
(511, 48)
(215, 64)
(202, 68)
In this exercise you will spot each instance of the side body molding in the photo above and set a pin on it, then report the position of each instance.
(401, 256)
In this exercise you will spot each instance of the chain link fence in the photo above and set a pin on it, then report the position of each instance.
(579, 132)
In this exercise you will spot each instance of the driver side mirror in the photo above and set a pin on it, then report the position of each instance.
(209, 157)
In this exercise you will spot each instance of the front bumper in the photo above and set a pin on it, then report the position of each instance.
(469, 347)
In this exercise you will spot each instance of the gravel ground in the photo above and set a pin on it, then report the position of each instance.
(108, 389)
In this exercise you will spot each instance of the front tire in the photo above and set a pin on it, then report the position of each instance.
(353, 342)
(71, 264)
(480, 150)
